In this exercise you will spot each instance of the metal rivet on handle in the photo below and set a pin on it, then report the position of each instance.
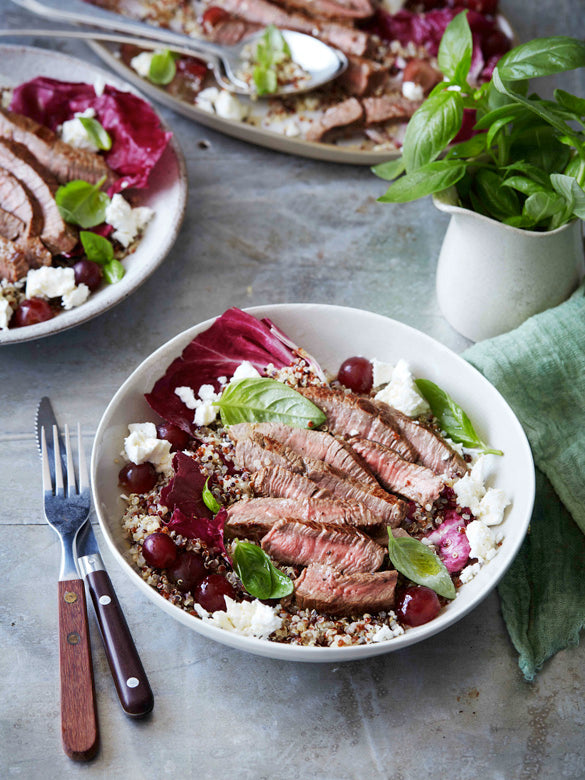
(70, 597)
(73, 638)
(132, 682)
(105, 600)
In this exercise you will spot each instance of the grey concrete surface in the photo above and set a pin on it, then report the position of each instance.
(263, 227)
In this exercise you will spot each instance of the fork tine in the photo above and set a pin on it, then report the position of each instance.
(47, 481)
(70, 466)
(83, 475)
(59, 484)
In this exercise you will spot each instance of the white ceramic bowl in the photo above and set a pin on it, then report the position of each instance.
(331, 334)
(166, 194)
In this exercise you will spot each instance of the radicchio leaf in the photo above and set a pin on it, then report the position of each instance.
(451, 542)
(138, 140)
(185, 490)
(217, 352)
(209, 530)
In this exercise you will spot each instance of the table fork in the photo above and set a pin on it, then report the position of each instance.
(66, 509)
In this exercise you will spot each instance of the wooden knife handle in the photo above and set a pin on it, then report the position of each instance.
(79, 728)
(129, 676)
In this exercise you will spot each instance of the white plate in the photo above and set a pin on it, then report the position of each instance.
(331, 334)
(166, 194)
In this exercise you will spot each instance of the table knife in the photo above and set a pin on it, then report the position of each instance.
(126, 667)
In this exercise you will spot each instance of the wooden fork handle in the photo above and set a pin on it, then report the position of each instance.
(79, 727)
(129, 676)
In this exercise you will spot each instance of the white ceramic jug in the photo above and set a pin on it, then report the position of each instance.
(492, 277)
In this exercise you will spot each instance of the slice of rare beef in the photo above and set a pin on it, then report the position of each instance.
(331, 9)
(282, 483)
(328, 590)
(17, 257)
(17, 160)
(343, 114)
(259, 451)
(431, 450)
(65, 162)
(398, 475)
(354, 415)
(363, 76)
(388, 107)
(11, 226)
(291, 541)
(17, 201)
(307, 443)
(252, 518)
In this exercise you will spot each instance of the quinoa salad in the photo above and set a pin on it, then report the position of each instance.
(75, 159)
(280, 502)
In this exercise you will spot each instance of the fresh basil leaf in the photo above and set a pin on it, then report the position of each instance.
(431, 128)
(510, 111)
(542, 57)
(455, 49)
(420, 564)
(113, 271)
(209, 499)
(570, 190)
(532, 172)
(96, 133)
(451, 417)
(258, 574)
(524, 185)
(434, 177)
(473, 147)
(162, 68)
(571, 102)
(499, 201)
(541, 206)
(540, 147)
(81, 203)
(266, 400)
(389, 170)
(97, 248)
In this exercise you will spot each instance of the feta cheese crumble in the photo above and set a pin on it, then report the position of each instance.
(402, 393)
(221, 102)
(249, 618)
(55, 282)
(142, 445)
(5, 313)
(126, 221)
(481, 540)
(141, 63)
(412, 91)
(488, 504)
(74, 133)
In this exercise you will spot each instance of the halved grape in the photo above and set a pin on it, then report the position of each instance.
(356, 373)
(137, 478)
(178, 438)
(211, 592)
(30, 312)
(187, 571)
(159, 550)
(417, 605)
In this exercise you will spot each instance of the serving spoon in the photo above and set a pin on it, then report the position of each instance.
(322, 63)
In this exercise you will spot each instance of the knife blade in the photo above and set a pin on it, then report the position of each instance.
(132, 686)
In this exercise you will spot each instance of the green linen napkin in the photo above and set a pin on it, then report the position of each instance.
(539, 368)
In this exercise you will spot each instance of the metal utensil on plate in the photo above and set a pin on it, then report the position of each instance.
(66, 509)
(321, 61)
(129, 676)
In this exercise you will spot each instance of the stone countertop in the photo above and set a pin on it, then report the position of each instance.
(263, 227)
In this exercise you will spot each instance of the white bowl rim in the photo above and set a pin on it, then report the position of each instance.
(276, 650)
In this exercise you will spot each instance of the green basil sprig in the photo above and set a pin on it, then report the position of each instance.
(420, 564)
(162, 68)
(513, 128)
(451, 417)
(96, 133)
(266, 400)
(81, 203)
(99, 250)
(257, 573)
(209, 499)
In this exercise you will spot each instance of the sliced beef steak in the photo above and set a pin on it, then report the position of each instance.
(398, 475)
(340, 115)
(363, 76)
(259, 451)
(17, 160)
(353, 415)
(291, 541)
(11, 227)
(17, 201)
(307, 443)
(384, 506)
(331, 9)
(328, 590)
(17, 257)
(282, 483)
(252, 518)
(261, 12)
(431, 450)
(65, 162)
(388, 107)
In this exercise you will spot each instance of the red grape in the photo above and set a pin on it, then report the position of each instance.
(89, 273)
(417, 605)
(210, 592)
(173, 434)
(159, 550)
(187, 571)
(30, 312)
(138, 478)
(356, 373)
